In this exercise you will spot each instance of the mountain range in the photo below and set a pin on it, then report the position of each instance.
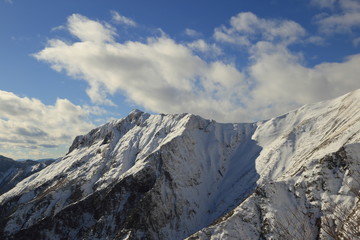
(177, 176)
(12, 172)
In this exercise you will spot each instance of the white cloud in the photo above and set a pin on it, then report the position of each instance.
(122, 19)
(246, 28)
(344, 17)
(192, 33)
(165, 76)
(285, 83)
(342, 77)
(58, 28)
(27, 123)
(160, 75)
(316, 40)
(95, 31)
(350, 5)
(339, 23)
(202, 46)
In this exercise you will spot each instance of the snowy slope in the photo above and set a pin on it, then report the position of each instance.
(12, 172)
(309, 164)
(188, 161)
(307, 133)
(168, 176)
(297, 207)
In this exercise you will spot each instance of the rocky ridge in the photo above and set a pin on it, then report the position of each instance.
(176, 176)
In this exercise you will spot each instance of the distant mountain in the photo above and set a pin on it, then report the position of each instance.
(12, 172)
(178, 176)
(48, 160)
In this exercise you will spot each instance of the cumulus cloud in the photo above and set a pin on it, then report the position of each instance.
(284, 83)
(343, 17)
(247, 27)
(204, 47)
(160, 75)
(122, 19)
(163, 75)
(95, 31)
(29, 123)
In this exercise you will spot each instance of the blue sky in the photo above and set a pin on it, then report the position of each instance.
(68, 66)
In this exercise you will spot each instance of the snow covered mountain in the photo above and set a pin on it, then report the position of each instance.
(12, 172)
(177, 176)
(309, 185)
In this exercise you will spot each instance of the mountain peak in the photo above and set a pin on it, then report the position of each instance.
(168, 176)
(135, 112)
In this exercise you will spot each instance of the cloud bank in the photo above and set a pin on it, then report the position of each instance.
(27, 123)
(163, 75)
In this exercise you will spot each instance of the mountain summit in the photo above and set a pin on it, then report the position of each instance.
(177, 176)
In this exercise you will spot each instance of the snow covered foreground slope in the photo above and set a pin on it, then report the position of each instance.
(309, 177)
(170, 176)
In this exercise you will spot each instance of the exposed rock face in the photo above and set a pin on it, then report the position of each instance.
(171, 176)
